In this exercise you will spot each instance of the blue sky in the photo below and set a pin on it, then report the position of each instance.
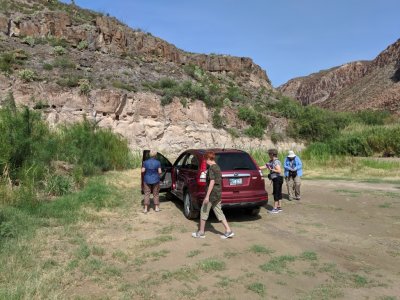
(287, 38)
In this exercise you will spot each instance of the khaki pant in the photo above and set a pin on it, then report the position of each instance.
(216, 206)
(293, 187)
(147, 191)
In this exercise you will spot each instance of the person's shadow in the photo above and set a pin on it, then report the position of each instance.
(233, 215)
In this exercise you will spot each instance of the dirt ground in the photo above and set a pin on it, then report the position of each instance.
(342, 240)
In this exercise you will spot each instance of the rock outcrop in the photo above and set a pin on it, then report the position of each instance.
(110, 36)
(353, 86)
(140, 118)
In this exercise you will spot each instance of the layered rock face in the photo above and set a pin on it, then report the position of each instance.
(110, 36)
(140, 118)
(353, 86)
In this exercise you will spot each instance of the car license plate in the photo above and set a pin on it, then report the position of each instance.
(235, 181)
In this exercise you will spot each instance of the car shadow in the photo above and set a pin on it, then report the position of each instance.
(232, 214)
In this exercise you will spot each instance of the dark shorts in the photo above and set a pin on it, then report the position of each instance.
(277, 188)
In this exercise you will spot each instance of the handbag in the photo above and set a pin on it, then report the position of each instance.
(293, 174)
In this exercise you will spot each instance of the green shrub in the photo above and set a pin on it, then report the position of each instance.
(288, 108)
(93, 148)
(167, 98)
(124, 86)
(58, 185)
(56, 42)
(47, 67)
(84, 86)
(316, 124)
(69, 80)
(217, 119)
(186, 89)
(28, 146)
(41, 105)
(64, 63)
(252, 117)
(27, 75)
(26, 143)
(255, 132)
(78, 176)
(167, 83)
(7, 61)
(233, 132)
(234, 94)
(29, 40)
(7, 230)
(276, 137)
(194, 71)
(83, 45)
(359, 141)
(59, 50)
(370, 117)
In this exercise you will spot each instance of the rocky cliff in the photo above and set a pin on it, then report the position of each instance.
(72, 64)
(353, 86)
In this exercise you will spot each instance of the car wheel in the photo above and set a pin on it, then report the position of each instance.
(255, 211)
(188, 209)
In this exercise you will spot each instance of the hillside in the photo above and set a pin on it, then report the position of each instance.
(354, 86)
(72, 63)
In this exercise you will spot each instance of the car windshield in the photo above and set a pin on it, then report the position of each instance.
(235, 161)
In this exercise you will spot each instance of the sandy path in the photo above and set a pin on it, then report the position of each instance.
(342, 240)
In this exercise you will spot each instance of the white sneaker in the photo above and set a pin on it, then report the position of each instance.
(198, 235)
(227, 235)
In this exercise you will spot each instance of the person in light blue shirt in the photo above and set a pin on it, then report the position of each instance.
(293, 172)
(151, 181)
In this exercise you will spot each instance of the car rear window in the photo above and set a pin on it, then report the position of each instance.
(235, 161)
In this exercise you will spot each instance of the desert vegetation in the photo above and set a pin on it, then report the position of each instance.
(36, 162)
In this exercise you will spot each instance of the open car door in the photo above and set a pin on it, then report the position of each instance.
(166, 168)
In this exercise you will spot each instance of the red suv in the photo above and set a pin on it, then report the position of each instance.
(242, 181)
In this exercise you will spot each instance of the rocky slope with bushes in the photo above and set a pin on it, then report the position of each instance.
(354, 86)
(72, 64)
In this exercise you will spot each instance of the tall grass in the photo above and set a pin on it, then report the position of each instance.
(29, 150)
(317, 124)
(23, 273)
(318, 162)
(360, 140)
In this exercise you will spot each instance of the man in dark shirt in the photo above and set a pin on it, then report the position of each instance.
(213, 199)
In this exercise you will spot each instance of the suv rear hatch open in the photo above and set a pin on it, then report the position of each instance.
(166, 167)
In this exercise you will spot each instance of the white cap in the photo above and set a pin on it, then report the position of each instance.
(291, 154)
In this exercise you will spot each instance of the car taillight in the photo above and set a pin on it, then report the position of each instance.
(202, 179)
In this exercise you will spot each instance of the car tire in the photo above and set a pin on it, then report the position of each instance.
(255, 211)
(188, 209)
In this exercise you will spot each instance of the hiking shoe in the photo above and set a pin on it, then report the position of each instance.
(157, 209)
(198, 235)
(274, 211)
(298, 198)
(280, 209)
(227, 235)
